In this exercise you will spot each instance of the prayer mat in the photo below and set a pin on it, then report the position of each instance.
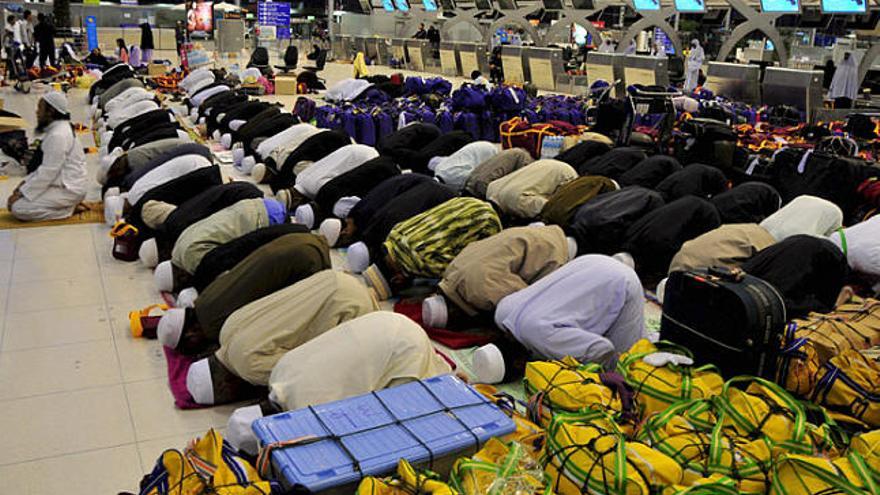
(95, 214)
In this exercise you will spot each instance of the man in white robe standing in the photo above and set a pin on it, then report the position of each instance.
(693, 65)
(845, 84)
(57, 187)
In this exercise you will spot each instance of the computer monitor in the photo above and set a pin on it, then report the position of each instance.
(646, 5)
(401, 5)
(430, 5)
(784, 6)
(690, 6)
(844, 6)
(388, 5)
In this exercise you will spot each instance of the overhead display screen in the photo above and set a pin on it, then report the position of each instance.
(430, 5)
(644, 5)
(402, 5)
(690, 6)
(784, 6)
(844, 6)
(388, 5)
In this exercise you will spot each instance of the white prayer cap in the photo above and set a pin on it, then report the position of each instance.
(239, 433)
(305, 215)
(149, 253)
(198, 382)
(226, 140)
(237, 155)
(434, 313)
(661, 290)
(164, 277)
(488, 364)
(626, 259)
(170, 327)
(343, 207)
(216, 135)
(572, 247)
(187, 297)
(113, 209)
(58, 101)
(247, 164)
(358, 257)
(330, 229)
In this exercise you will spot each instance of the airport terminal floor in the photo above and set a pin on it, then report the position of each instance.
(87, 408)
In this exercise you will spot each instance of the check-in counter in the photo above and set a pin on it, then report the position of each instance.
(644, 70)
(471, 57)
(607, 67)
(376, 50)
(798, 88)
(359, 44)
(516, 69)
(580, 85)
(342, 47)
(419, 52)
(544, 64)
(450, 64)
(398, 51)
(740, 82)
(563, 83)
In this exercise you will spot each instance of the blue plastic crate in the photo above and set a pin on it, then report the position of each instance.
(430, 423)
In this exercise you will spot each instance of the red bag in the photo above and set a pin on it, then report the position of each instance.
(126, 241)
(518, 133)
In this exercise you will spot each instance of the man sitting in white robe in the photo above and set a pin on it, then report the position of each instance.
(58, 185)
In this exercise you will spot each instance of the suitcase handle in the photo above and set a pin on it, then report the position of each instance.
(728, 274)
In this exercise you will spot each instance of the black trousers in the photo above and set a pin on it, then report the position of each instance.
(47, 52)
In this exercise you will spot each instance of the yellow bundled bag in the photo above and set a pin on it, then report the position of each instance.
(207, 465)
(566, 385)
(592, 456)
(850, 384)
(499, 468)
(656, 388)
(693, 434)
(527, 434)
(795, 474)
(407, 482)
(812, 342)
(713, 485)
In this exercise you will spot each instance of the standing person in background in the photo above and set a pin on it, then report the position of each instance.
(693, 64)
(44, 33)
(434, 37)
(421, 33)
(9, 38)
(845, 84)
(24, 34)
(607, 46)
(147, 44)
(631, 49)
(121, 50)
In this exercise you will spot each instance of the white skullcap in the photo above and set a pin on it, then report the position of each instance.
(239, 433)
(330, 229)
(489, 364)
(198, 382)
(258, 172)
(58, 101)
(305, 215)
(434, 313)
(661, 289)
(572, 247)
(187, 297)
(247, 164)
(343, 207)
(164, 277)
(226, 140)
(202, 120)
(112, 191)
(616, 184)
(626, 259)
(358, 257)
(216, 135)
(171, 327)
(537, 224)
(149, 253)
(236, 124)
(194, 113)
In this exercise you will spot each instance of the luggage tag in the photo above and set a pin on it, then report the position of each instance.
(661, 359)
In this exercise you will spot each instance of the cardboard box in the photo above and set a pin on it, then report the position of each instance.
(285, 85)
(157, 69)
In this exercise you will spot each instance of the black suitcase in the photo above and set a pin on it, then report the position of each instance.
(725, 317)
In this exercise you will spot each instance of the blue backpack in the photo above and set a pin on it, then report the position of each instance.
(414, 85)
(349, 122)
(365, 129)
(468, 98)
(507, 99)
(438, 85)
(328, 117)
(383, 122)
(489, 127)
(468, 122)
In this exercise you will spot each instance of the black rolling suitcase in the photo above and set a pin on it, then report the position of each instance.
(725, 317)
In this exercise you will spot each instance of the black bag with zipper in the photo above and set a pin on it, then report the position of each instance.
(725, 317)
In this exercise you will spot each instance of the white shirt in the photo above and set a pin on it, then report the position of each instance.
(24, 32)
(168, 171)
(266, 147)
(310, 181)
(63, 165)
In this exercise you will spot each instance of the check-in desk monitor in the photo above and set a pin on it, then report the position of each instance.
(740, 82)
(607, 67)
(798, 88)
(644, 70)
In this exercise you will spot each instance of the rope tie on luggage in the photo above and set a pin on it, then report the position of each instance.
(264, 458)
